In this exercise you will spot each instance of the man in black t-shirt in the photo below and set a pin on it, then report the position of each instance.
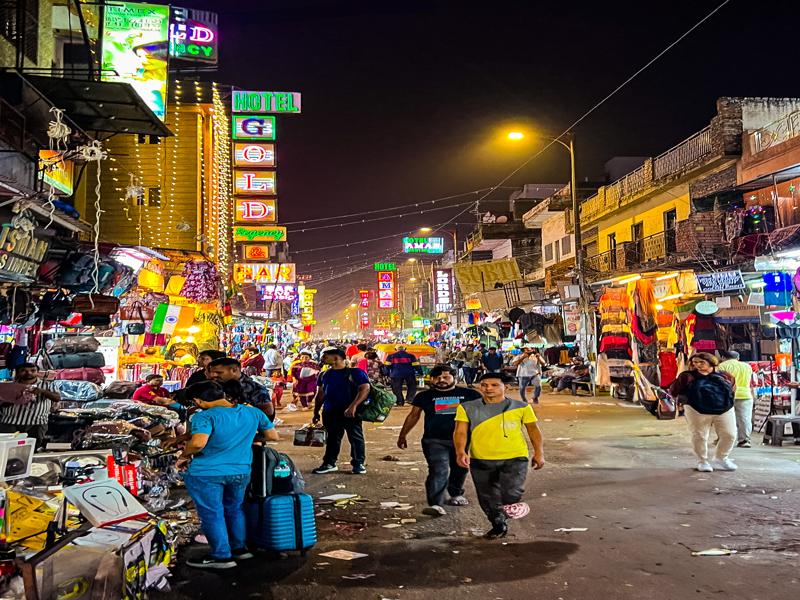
(439, 403)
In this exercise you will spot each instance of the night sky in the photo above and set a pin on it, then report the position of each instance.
(402, 101)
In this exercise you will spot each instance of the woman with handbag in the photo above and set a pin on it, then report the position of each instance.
(304, 374)
(707, 395)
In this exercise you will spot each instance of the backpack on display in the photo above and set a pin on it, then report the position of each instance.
(711, 395)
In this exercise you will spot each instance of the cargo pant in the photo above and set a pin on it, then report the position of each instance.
(444, 473)
(497, 483)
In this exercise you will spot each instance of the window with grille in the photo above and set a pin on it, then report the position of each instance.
(548, 252)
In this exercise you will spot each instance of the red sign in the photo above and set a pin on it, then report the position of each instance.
(386, 289)
(364, 295)
(253, 210)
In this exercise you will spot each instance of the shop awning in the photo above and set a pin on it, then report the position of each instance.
(105, 106)
(37, 204)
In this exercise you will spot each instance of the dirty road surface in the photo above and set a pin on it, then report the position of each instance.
(612, 470)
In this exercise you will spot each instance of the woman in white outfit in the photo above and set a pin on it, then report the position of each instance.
(707, 396)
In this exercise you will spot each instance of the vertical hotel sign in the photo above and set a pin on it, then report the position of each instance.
(386, 289)
(135, 49)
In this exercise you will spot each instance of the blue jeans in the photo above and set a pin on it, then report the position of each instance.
(219, 500)
(535, 382)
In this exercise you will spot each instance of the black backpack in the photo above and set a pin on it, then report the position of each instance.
(265, 481)
(711, 395)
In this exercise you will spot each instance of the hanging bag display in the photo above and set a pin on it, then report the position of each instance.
(95, 309)
(55, 306)
(72, 345)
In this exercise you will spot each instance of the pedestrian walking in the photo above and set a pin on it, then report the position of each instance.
(708, 398)
(273, 360)
(439, 404)
(254, 363)
(472, 358)
(217, 460)
(403, 370)
(304, 375)
(529, 373)
(492, 361)
(339, 392)
(742, 374)
(498, 453)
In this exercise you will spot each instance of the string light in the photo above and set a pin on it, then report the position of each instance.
(222, 170)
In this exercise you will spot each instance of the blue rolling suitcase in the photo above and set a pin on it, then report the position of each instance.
(282, 522)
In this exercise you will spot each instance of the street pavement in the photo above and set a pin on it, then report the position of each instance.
(612, 469)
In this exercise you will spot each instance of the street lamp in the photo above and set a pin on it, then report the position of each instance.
(516, 135)
(452, 233)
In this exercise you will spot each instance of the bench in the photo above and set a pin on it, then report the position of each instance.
(776, 424)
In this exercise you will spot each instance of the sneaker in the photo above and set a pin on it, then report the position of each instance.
(434, 511)
(458, 501)
(359, 470)
(704, 467)
(744, 444)
(726, 464)
(323, 468)
(498, 530)
(517, 510)
(241, 554)
(209, 562)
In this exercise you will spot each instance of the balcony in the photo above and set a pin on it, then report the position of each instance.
(779, 131)
(630, 256)
(696, 151)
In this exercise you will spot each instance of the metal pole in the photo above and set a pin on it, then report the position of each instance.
(583, 304)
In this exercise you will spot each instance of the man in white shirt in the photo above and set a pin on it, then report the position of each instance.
(529, 371)
(273, 361)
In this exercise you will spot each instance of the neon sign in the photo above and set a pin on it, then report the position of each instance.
(253, 127)
(444, 289)
(264, 273)
(423, 245)
(386, 289)
(193, 35)
(259, 183)
(253, 155)
(266, 102)
(385, 266)
(244, 233)
(364, 295)
(278, 292)
(252, 210)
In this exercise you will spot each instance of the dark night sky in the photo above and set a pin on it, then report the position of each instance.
(401, 98)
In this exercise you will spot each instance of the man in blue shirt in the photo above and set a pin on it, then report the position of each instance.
(403, 370)
(339, 392)
(492, 361)
(219, 457)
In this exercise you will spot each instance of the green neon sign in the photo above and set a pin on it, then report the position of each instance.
(385, 266)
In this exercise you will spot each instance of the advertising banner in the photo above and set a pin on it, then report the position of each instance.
(254, 183)
(56, 171)
(193, 35)
(135, 49)
(253, 155)
(244, 233)
(443, 295)
(255, 210)
(386, 289)
(266, 102)
(253, 127)
(264, 273)
(719, 282)
(482, 276)
(278, 292)
(423, 245)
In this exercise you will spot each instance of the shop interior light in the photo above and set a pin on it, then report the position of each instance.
(672, 297)
(659, 307)
(667, 276)
(630, 279)
(757, 284)
(794, 253)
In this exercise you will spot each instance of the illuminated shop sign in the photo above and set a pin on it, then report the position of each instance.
(266, 102)
(254, 182)
(193, 35)
(56, 171)
(244, 233)
(253, 210)
(253, 155)
(307, 307)
(255, 252)
(135, 48)
(423, 245)
(443, 280)
(253, 127)
(279, 292)
(385, 266)
(264, 273)
(364, 296)
(386, 289)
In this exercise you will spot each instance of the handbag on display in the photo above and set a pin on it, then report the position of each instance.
(72, 345)
(55, 306)
(95, 304)
(83, 374)
(308, 435)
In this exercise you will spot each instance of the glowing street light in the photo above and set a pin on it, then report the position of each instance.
(413, 279)
(412, 260)
(425, 229)
(516, 135)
